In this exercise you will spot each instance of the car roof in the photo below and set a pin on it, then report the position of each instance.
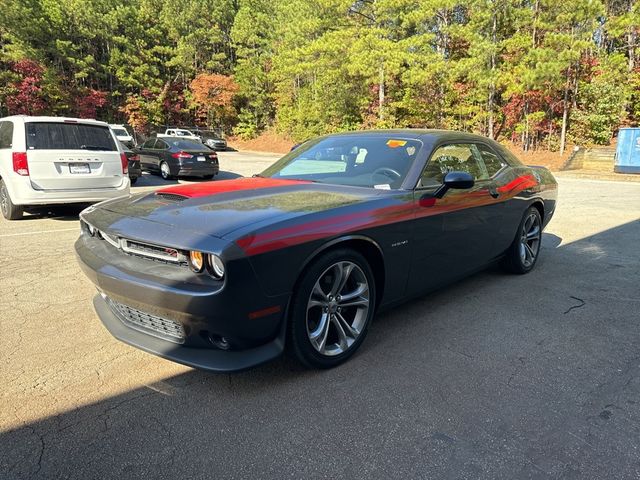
(29, 118)
(417, 133)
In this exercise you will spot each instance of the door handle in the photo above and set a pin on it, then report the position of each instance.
(493, 192)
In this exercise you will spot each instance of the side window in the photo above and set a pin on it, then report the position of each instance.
(149, 143)
(6, 134)
(451, 158)
(161, 145)
(492, 162)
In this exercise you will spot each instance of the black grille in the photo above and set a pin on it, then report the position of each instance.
(151, 324)
(172, 197)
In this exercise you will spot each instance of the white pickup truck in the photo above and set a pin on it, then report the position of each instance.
(179, 132)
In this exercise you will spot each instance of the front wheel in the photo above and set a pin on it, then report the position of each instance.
(523, 252)
(332, 308)
(9, 210)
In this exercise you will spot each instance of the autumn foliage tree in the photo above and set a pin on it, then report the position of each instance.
(213, 96)
(87, 105)
(134, 114)
(26, 95)
(541, 73)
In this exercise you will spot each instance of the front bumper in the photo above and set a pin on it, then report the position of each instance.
(212, 360)
(203, 308)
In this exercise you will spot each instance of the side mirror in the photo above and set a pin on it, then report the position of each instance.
(458, 180)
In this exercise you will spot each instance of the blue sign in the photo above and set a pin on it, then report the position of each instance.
(628, 151)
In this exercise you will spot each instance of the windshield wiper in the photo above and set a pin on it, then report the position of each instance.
(259, 175)
(306, 180)
(91, 147)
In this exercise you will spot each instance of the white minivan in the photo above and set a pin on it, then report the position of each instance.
(54, 160)
(123, 135)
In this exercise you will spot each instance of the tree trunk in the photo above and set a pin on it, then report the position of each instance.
(631, 41)
(492, 88)
(565, 114)
(490, 119)
(381, 94)
(534, 36)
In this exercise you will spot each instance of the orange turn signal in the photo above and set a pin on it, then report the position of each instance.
(196, 261)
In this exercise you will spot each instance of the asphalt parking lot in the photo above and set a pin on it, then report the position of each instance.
(498, 376)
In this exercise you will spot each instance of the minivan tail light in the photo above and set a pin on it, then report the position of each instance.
(181, 155)
(125, 162)
(20, 165)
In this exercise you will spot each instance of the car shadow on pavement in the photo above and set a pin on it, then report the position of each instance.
(150, 180)
(497, 376)
(63, 213)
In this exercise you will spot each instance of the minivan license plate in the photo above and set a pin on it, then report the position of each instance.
(79, 168)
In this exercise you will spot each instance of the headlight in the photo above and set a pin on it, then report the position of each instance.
(196, 261)
(216, 267)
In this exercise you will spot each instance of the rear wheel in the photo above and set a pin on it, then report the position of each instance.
(165, 171)
(523, 253)
(332, 309)
(9, 210)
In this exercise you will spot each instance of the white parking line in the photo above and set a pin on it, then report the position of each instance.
(38, 232)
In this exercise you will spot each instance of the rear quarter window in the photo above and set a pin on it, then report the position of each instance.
(506, 154)
(68, 136)
(6, 134)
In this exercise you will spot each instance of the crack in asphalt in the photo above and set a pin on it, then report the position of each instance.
(582, 304)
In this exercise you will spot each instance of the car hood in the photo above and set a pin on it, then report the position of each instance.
(221, 207)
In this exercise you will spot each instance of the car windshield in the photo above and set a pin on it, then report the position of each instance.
(185, 144)
(183, 133)
(120, 132)
(378, 161)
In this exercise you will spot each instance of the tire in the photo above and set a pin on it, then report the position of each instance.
(165, 171)
(325, 329)
(9, 210)
(523, 253)
(207, 177)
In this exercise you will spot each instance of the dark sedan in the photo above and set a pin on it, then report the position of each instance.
(133, 159)
(173, 157)
(224, 276)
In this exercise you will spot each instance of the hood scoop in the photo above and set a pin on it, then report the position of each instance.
(172, 197)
